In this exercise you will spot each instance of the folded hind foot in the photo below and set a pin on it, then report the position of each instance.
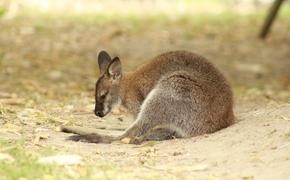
(156, 134)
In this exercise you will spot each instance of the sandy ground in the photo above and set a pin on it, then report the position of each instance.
(256, 147)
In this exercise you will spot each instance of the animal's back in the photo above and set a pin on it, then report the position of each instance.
(189, 80)
(150, 73)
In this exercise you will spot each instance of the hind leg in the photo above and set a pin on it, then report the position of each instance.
(157, 119)
(146, 117)
(151, 115)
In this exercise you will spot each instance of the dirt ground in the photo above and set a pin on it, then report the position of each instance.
(48, 70)
(256, 147)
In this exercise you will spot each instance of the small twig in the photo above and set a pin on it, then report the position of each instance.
(284, 145)
(285, 118)
(12, 101)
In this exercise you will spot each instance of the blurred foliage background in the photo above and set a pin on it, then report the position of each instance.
(49, 47)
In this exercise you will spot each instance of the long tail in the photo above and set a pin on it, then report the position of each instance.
(90, 135)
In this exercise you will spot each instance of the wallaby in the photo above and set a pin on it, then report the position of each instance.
(177, 94)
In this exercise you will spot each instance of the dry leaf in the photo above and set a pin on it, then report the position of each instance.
(81, 170)
(248, 177)
(39, 137)
(176, 153)
(126, 140)
(14, 101)
(58, 129)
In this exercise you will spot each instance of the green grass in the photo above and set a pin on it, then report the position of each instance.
(285, 11)
(131, 15)
(25, 165)
(2, 11)
(136, 22)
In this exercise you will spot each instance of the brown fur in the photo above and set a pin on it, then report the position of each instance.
(176, 94)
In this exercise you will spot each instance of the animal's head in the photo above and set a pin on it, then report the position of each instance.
(108, 84)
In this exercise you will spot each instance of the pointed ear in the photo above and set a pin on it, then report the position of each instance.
(104, 60)
(115, 69)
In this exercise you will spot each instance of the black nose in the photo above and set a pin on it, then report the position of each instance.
(99, 113)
